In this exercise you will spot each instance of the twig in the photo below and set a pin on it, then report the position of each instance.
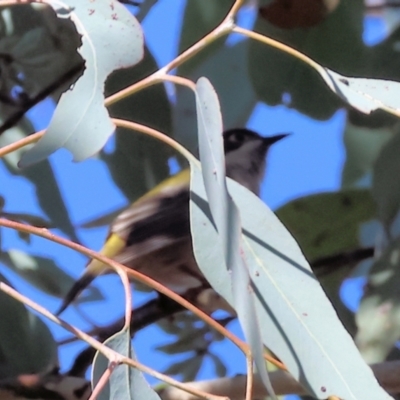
(31, 102)
(325, 265)
(103, 381)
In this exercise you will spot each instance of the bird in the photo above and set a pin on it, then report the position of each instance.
(153, 235)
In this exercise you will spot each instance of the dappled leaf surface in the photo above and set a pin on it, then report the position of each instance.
(385, 183)
(335, 43)
(328, 223)
(111, 39)
(378, 317)
(26, 344)
(363, 146)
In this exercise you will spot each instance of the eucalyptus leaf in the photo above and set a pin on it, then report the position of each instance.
(366, 95)
(187, 368)
(220, 367)
(42, 177)
(297, 321)
(336, 43)
(139, 162)
(328, 223)
(227, 220)
(111, 39)
(385, 183)
(103, 220)
(125, 382)
(26, 343)
(43, 273)
(33, 220)
(363, 146)
(378, 317)
(201, 17)
(188, 341)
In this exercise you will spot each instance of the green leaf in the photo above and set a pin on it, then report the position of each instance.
(189, 340)
(378, 317)
(43, 273)
(139, 162)
(103, 220)
(125, 382)
(385, 183)
(33, 220)
(328, 223)
(26, 343)
(222, 68)
(335, 43)
(220, 367)
(112, 39)
(363, 146)
(201, 17)
(187, 368)
(41, 175)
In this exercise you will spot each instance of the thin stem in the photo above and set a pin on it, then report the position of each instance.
(21, 143)
(278, 45)
(158, 135)
(235, 9)
(178, 80)
(103, 381)
(250, 377)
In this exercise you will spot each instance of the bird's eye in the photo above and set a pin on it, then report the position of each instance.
(238, 137)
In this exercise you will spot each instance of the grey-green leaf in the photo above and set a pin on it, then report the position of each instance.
(226, 217)
(26, 343)
(328, 223)
(385, 183)
(297, 322)
(363, 146)
(111, 39)
(42, 272)
(42, 177)
(378, 317)
(125, 382)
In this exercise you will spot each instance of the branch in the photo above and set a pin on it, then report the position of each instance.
(325, 265)
(387, 374)
(31, 102)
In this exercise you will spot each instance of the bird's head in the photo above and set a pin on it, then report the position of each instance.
(245, 153)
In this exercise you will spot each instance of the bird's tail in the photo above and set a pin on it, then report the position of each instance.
(113, 246)
(84, 281)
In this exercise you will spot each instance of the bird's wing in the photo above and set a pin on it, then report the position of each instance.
(153, 222)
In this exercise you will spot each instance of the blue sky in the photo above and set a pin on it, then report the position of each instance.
(308, 161)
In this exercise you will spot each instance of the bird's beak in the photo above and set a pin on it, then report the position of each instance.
(270, 140)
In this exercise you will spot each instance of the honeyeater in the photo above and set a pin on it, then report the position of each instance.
(153, 235)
